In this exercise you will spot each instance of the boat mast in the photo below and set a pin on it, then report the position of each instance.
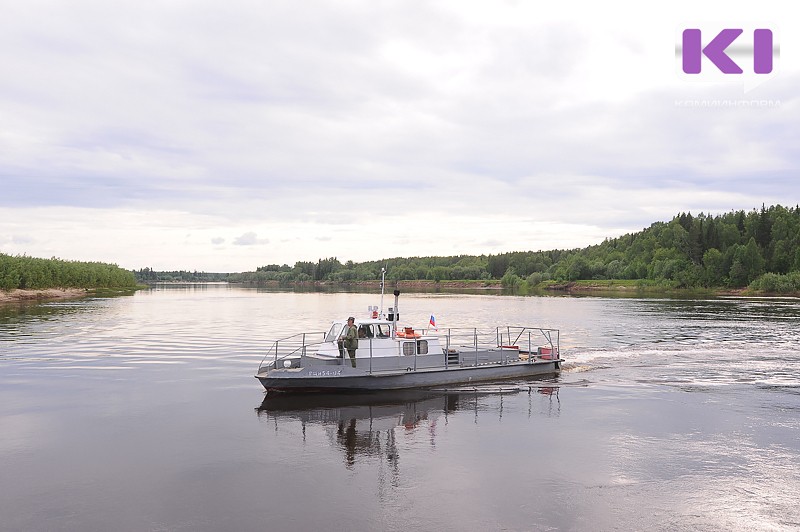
(395, 315)
(383, 283)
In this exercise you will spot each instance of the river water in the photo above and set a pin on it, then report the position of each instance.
(141, 413)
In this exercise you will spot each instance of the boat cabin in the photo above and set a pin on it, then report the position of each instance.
(370, 328)
(378, 338)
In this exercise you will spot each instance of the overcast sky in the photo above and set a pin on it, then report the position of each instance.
(222, 136)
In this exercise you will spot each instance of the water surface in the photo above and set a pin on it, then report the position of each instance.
(141, 413)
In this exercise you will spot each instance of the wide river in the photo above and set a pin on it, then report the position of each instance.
(141, 413)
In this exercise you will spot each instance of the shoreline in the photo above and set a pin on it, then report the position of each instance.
(572, 288)
(22, 296)
(569, 287)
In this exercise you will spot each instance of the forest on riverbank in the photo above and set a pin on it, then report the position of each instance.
(759, 249)
(30, 273)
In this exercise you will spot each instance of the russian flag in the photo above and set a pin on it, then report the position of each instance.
(433, 321)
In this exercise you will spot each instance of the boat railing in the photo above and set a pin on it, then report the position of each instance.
(472, 344)
(291, 347)
(525, 340)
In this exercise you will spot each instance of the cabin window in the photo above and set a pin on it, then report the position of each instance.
(408, 348)
(334, 332)
(384, 331)
(422, 347)
(365, 331)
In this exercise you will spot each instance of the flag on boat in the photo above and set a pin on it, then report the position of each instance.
(433, 321)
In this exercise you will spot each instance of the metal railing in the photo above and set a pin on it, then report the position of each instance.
(514, 338)
(471, 344)
(290, 347)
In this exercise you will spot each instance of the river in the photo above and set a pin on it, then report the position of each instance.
(141, 413)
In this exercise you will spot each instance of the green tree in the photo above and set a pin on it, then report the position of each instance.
(747, 264)
(713, 271)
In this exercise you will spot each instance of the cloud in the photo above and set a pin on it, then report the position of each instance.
(22, 240)
(249, 239)
(447, 127)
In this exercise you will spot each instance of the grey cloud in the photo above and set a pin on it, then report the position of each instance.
(22, 239)
(249, 239)
(262, 113)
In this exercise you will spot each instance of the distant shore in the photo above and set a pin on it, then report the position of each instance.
(571, 287)
(616, 286)
(580, 287)
(18, 295)
(390, 285)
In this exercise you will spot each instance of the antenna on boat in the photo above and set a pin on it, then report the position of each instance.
(383, 277)
(394, 315)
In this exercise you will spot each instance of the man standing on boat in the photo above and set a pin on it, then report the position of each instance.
(351, 339)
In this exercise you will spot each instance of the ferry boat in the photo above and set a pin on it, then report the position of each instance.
(390, 357)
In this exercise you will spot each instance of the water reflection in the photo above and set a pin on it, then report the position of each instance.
(33, 310)
(29, 322)
(365, 425)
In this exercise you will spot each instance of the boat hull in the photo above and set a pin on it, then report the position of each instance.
(344, 378)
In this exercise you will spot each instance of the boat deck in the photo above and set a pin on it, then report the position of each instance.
(423, 361)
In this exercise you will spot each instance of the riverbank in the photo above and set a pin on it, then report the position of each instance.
(638, 286)
(18, 295)
(390, 285)
(586, 287)
(610, 288)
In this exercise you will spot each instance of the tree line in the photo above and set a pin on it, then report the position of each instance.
(149, 275)
(759, 249)
(36, 274)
